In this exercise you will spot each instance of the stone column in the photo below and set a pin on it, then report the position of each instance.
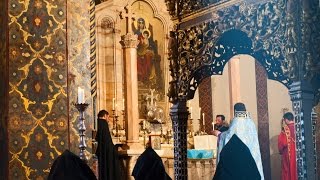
(234, 82)
(129, 44)
(179, 115)
(302, 98)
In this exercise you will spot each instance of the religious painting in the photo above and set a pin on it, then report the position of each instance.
(148, 58)
(150, 54)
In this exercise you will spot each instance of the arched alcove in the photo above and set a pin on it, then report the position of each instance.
(227, 45)
(216, 53)
(233, 43)
(106, 62)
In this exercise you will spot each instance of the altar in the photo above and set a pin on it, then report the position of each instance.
(203, 169)
(201, 159)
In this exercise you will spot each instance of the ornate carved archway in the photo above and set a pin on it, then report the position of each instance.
(276, 33)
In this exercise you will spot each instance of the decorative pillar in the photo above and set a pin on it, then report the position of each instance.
(129, 44)
(314, 118)
(234, 82)
(93, 63)
(302, 98)
(263, 118)
(179, 115)
(205, 102)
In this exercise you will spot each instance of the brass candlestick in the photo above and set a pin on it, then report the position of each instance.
(123, 120)
(168, 136)
(82, 128)
(201, 127)
(115, 122)
(113, 118)
(145, 131)
(190, 127)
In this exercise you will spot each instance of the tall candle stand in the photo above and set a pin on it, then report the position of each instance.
(113, 118)
(123, 120)
(190, 127)
(162, 136)
(115, 122)
(82, 128)
(143, 129)
(145, 132)
(201, 127)
(168, 136)
(144, 137)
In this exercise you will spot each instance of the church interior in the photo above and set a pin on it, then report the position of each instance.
(163, 70)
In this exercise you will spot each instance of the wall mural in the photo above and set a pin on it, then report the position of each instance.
(38, 103)
(79, 71)
(43, 81)
(150, 54)
(148, 61)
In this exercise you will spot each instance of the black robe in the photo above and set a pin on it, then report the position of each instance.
(222, 128)
(149, 166)
(70, 166)
(108, 161)
(236, 162)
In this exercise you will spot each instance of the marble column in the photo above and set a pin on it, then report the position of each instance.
(302, 98)
(129, 44)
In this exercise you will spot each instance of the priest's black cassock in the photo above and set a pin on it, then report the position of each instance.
(149, 166)
(69, 166)
(108, 161)
(236, 162)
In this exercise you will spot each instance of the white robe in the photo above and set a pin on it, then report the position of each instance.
(245, 129)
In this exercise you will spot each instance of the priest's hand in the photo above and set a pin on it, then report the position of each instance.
(216, 133)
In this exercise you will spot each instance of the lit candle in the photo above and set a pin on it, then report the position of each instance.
(113, 102)
(190, 112)
(199, 113)
(80, 95)
(123, 104)
(144, 124)
(213, 126)
(203, 118)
